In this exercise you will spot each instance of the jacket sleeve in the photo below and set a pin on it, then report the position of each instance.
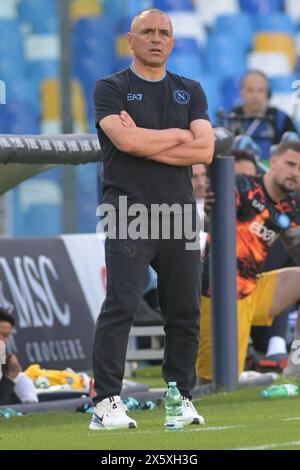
(7, 395)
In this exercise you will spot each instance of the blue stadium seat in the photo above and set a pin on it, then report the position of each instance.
(172, 5)
(10, 68)
(11, 41)
(18, 118)
(261, 6)
(277, 22)
(132, 7)
(225, 56)
(86, 197)
(186, 58)
(94, 35)
(114, 9)
(41, 15)
(230, 93)
(124, 24)
(187, 65)
(39, 70)
(89, 69)
(186, 46)
(36, 218)
(211, 86)
(282, 84)
(121, 63)
(10, 29)
(241, 25)
(24, 90)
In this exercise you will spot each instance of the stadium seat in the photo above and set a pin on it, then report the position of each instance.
(23, 89)
(276, 42)
(94, 35)
(261, 6)
(188, 65)
(282, 84)
(114, 9)
(11, 37)
(188, 25)
(18, 118)
(186, 45)
(224, 56)
(241, 25)
(51, 112)
(39, 70)
(8, 9)
(211, 86)
(271, 63)
(83, 8)
(285, 102)
(171, 5)
(230, 93)
(11, 50)
(132, 7)
(10, 68)
(292, 8)
(37, 206)
(208, 10)
(86, 197)
(276, 22)
(122, 47)
(40, 16)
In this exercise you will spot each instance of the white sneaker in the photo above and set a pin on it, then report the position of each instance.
(190, 414)
(111, 414)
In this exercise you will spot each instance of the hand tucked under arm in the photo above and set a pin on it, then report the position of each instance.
(198, 150)
(291, 241)
(129, 138)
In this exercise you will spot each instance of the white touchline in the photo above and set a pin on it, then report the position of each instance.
(186, 429)
(270, 446)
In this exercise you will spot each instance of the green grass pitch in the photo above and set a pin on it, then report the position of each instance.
(241, 419)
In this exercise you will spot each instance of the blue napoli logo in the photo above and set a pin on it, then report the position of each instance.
(181, 96)
(283, 221)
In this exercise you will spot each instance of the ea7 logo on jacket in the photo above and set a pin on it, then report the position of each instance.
(134, 96)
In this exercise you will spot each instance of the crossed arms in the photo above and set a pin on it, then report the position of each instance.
(177, 147)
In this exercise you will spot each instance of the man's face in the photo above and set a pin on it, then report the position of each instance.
(199, 180)
(285, 171)
(254, 92)
(246, 167)
(151, 39)
(5, 331)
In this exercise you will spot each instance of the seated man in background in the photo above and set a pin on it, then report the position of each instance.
(269, 342)
(15, 387)
(265, 210)
(255, 118)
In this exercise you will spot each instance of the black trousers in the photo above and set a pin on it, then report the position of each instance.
(179, 290)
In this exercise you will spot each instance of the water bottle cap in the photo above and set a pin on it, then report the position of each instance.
(172, 384)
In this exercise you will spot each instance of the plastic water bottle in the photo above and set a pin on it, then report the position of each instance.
(286, 390)
(173, 408)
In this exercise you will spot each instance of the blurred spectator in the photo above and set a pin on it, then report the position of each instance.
(15, 386)
(265, 124)
(244, 162)
(199, 182)
(265, 210)
(269, 341)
